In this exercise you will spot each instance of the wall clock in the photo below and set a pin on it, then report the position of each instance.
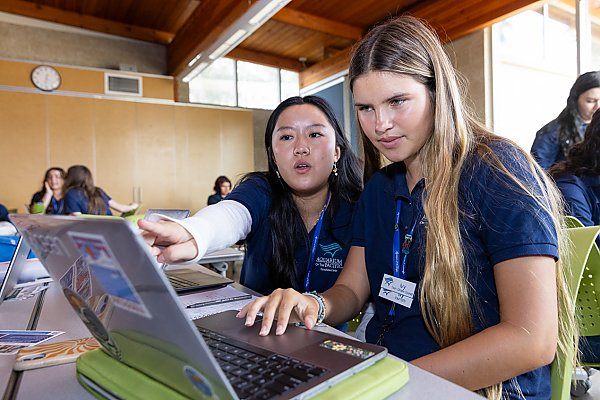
(45, 78)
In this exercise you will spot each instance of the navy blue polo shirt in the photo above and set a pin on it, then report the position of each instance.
(582, 197)
(498, 222)
(77, 201)
(332, 249)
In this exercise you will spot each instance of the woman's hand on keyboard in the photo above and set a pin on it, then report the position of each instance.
(168, 241)
(284, 306)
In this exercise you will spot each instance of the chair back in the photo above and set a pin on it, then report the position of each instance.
(582, 244)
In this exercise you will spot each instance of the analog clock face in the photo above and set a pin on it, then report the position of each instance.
(45, 78)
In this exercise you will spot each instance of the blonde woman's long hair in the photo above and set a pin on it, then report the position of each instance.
(407, 46)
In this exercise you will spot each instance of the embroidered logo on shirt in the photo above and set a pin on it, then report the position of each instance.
(328, 262)
(330, 249)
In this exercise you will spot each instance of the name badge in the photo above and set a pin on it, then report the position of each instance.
(400, 291)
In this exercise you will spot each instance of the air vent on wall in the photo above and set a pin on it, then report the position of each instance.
(122, 84)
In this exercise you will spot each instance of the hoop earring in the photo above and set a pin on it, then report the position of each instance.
(335, 168)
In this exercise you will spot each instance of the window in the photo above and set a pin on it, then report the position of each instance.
(216, 84)
(258, 86)
(241, 84)
(534, 64)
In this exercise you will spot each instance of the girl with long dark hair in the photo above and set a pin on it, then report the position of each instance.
(295, 217)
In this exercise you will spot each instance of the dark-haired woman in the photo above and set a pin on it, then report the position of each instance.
(295, 218)
(83, 197)
(555, 139)
(222, 188)
(49, 199)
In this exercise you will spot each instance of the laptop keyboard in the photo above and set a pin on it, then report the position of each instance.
(180, 283)
(256, 373)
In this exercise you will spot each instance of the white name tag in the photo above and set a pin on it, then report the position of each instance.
(400, 291)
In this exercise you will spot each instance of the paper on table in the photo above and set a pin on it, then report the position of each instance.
(217, 294)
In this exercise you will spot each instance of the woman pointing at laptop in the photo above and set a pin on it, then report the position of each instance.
(456, 241)
(295, 218)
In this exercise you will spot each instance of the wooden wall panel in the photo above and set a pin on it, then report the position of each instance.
(24, 147)
(158, 88)
(237, 144)
(115, 136)
(155, 159)
(203, 152)
(172, 152)
(71, 131)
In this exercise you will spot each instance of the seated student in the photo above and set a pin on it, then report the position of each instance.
(82, 197)
(295, 217)
(49, 199)
(578, 178)
(553, 141)
(6, 227)
(456, 241)
(222, 188)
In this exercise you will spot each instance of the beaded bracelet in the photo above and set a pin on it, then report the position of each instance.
(322, 307)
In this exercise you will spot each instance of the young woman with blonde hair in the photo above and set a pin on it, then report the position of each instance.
(456, 241)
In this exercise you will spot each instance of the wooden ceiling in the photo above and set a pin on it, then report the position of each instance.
(313, 37)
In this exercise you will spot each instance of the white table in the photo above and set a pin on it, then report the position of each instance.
(13, 315)
(59, 382)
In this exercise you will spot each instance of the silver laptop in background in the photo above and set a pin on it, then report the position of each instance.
(185, 280)
(116, 287)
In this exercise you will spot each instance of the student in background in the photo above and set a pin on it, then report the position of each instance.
(456, 241)
(49, 199)
(222, 188)
(295, 218)
(578, 177)
(553, 141)
(82, 197)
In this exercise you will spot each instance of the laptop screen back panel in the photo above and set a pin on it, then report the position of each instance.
(116, 288)
(14, 269)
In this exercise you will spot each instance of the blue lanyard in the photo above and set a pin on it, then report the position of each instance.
(313, 251)
(57, 205)
(400, 267)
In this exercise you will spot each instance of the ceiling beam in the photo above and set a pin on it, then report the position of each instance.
(52, 14)
(210, 19)
(450, 18)
(326, 68)
(318, 24)
(270, 60)
(453, 20)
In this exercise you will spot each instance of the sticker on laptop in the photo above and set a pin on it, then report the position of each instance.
(198, 381)
(346, 349)
(108, 272)
(93, 323)
(78, 278)
(44, 245)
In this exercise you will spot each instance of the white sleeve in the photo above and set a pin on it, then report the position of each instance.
(215, 227)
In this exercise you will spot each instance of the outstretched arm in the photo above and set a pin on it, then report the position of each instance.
(115, 205)
(210, 229)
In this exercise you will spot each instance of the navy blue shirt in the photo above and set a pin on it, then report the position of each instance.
(498, 222)
(255, 195)
(582, 198)
(77, 201)
(55, 206)
(546, 148)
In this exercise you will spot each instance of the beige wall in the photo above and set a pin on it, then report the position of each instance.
(171, 152)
